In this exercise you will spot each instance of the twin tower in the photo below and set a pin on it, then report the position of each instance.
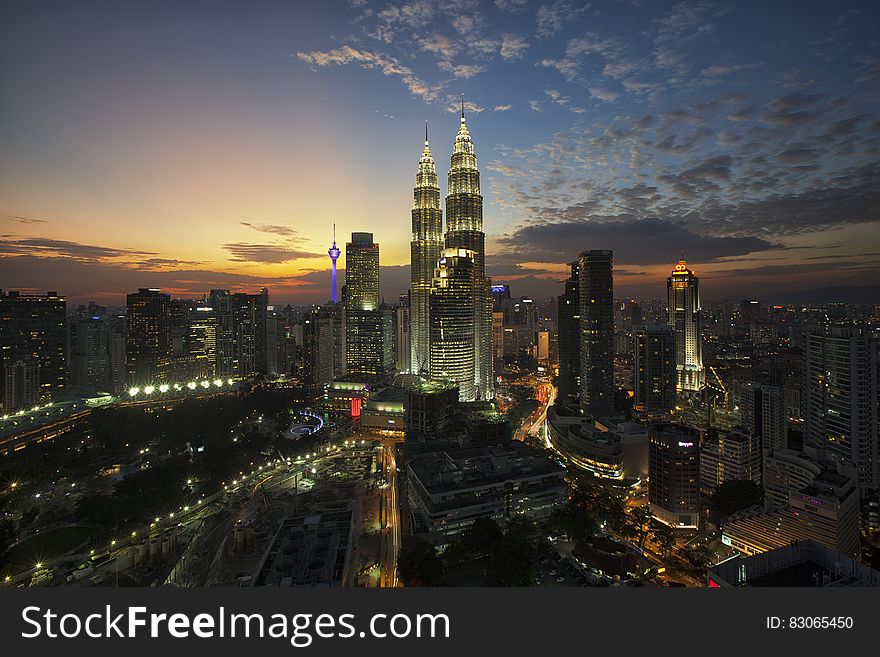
(451, 299)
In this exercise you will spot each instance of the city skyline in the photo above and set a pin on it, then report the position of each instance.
(640, 129)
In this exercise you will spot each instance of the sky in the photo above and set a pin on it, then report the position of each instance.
(209, 144)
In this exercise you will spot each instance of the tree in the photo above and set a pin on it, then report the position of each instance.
(640, 516)
(735, 495)
(7, 534)
(664, 537)
(418, 564)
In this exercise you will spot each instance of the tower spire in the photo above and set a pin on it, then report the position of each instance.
(462, 107)
(426, 133)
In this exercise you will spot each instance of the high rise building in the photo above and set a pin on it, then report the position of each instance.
(730, 456)
(90, 359)
(21, 383)
(202, 341)
(452, 313)
(763, 413)
(323, 356)
(34, 326)
(425, 247)
(249, 332)
(221, 303)
(654, 374)
(334, 253)
(569, 337)
(842, 400)
(685, 316)
(364, 327)
(674, 475)
(148, 336)
(403, 326)
(596, 291)
(464, 230)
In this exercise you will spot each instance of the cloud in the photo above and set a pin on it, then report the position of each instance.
(603, 94)
(26, 220)
(726, 69)
(462, 70)
(634, 242)
(439, 45)
(550, 18)
(514, 6)
(512, 47)
(284, 231)
(389, 66)
(41, 246)
(503, 108)
(536, 105)
(266, 253)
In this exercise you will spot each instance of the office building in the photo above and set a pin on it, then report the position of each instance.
(733, 455)
(569, 338)
(453, 325)
(654, 373)
(21, 384)
(596, 290)
(826, 511)
(464, 231)
(804, 563)
(34, 326)
(841, 398)
(365, 348)
(763, 412)
(403, 343)
(449, 490)
(90, 362)
(148, 348)
(674, 475)
(249, 332)
(425, 247)
(684, 315)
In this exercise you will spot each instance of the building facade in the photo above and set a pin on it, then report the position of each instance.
(425, 247)
(685, 316)
(464, 230)
(569, 337)
(596, 290)
(654, 372)
(674, 475)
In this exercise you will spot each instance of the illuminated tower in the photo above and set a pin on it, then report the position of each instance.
(334, 253)
(452, 309)
(685, 316)
(464, 230)
(425, 247)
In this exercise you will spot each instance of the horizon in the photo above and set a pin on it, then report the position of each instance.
(205, 152)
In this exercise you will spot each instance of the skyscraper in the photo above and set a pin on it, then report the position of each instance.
(569, 337)
(685, 316)
(249, 332)
(654, 372)
(34, 326)
(364, 329)
(596, 291)
(148, 336)
(464, 230)
(452, 321)
(425, 247)
(842, 398)
(89, 361)
(334, 253)
(674, 475)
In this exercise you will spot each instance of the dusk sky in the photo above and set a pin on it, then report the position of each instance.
(196, 145)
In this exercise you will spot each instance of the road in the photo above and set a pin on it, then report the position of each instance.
(546, 396)
(391, 525)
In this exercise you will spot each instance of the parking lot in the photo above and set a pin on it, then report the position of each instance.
(556, 570)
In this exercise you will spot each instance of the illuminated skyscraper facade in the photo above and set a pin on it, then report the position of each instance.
(425, 247)
(452, 309)
(464, 230)
(148, 347)
(365, 350)
(569, 337)
(596, 291)
(685, 316)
